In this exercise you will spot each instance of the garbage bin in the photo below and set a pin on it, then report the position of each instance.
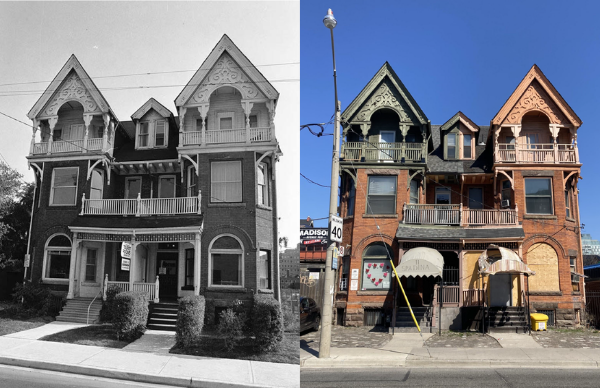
(539, 321)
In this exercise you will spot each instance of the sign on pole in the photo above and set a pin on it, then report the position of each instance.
(26, 261)
(335, 228)
(126, 249)
(125, 263)
(341, 251)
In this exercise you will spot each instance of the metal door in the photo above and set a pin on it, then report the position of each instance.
(500, 290)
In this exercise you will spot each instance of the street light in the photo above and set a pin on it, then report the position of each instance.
(328, 286)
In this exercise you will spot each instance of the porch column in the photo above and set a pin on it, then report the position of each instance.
(106, 118)
(52, 123)
(87, 119)
(36, 123)
(271, 108)
(72, 263)
(554, 132)
(516, 131)
(182, 111)
(203, 110)
(134, 245)
(197, 264)
(247, 109)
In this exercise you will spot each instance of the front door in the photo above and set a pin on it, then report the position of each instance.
(386, 144)
(500, 290)
(166, 263)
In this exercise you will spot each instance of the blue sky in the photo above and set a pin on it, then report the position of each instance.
(459, 55)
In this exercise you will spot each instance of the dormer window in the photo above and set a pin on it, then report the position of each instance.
(159, 134)
(467, 147)
(152, 133)
(451, 151)
(143, 134)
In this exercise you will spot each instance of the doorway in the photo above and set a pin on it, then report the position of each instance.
(500, 290)
(166, 268)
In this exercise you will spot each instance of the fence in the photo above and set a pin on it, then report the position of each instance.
(312, 287)
(290, 305)
(592, 308)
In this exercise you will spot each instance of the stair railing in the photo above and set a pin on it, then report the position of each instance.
(526, 305)
(87, 321)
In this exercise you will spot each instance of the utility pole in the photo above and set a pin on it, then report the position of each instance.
(328, 286)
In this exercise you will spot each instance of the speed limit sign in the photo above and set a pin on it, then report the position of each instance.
(335, 228)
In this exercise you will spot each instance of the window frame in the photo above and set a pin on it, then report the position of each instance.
(51, 202)
(393, 196)
(351, 201)
(101, 173)
(482, 197)
(443, 189)
(241, 261)
(224, 115)
(139, 134)
(508, 189)
(165, 133)
(269, 277)
(191, 189)
(263, 196)
(453, 134)
(160, 179)
(213, 198)
(410, 193)
(551, 195)
(470, 156)
(46, 261)
(129, 179)
(152, 125)
(569, 203)
(257, 120)
(379, 258)
(188, 277)
(87, 265)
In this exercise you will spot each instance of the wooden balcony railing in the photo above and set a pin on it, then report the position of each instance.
(410, 152)
(430, 214)
(141, 206)
(64, 146)
(151, 289)
(450, 296)
(473, 297)
(226, 136)
(537, 153)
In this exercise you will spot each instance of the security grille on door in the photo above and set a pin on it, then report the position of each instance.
(550, 314)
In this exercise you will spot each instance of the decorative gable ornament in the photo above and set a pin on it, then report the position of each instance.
(151, 104)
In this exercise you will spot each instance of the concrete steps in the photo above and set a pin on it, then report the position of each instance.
(404, 318)
(506, 320)
(162, 316)
(76, 310)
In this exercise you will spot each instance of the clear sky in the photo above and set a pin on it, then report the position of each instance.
(451, 55)
(171, 38)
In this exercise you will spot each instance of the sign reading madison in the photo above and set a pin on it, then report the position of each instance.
(314, 235)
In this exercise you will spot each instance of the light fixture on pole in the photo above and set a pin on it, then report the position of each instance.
(328, 286)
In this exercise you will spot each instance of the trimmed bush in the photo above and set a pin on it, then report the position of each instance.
(33, 295)
(107, 312)
(190, 320)
(266, 323)
(230, 328)
(130, 314)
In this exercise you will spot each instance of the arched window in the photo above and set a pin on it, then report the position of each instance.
(57, 257)
(376, 268)
(226, 264)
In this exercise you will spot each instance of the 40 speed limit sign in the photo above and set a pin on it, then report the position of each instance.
(335, 228)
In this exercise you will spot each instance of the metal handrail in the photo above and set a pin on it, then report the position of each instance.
(526, 311)
(87, 321)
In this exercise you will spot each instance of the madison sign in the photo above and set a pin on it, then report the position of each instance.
(311, 236)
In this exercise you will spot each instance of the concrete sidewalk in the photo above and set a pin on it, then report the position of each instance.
(407, 350)
(141, 366)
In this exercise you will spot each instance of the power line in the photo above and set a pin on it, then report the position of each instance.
(313, 182)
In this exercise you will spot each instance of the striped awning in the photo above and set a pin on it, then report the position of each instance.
(497, 259)
(421, 261)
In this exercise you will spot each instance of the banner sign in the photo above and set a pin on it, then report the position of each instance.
(310, 236)
(126, 249)
(125, 264)
(26, 261)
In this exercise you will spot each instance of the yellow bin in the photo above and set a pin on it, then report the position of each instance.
(539, 321)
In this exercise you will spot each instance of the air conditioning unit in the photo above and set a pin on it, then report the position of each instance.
(505, 203)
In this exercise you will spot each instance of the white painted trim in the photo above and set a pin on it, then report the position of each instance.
(189, 174)
(551, 195)
(101, 179)
(241, 263)
(45, 260)
(52, 186)
(127, 180)
(160, 230)
(224, 115)
(160, 179)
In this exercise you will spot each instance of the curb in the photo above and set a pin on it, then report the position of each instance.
(121, 375)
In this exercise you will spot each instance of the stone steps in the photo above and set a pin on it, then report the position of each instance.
(76, 310)
(162, 316)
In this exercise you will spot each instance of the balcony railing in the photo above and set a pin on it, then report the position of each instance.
(537, 153)
(409, 152)
(64, 146)
(430, 214)
(151, 289)
(226, 136)
(141, 206)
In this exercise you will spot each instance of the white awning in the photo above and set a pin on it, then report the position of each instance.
(497, 259)
(421, 262)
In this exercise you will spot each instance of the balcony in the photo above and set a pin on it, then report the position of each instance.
(537, 153)
(140, 206)
(226, 136)
(430, 214)
(69, 146)
(375, 152)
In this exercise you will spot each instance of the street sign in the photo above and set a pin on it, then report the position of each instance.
(341, 251)
(26, 261)
(334, 262)
(335, 228)
(125, 263)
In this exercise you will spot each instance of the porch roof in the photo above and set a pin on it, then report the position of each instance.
(456, 233)
(421, 261)
(150, 222)
(508, 262)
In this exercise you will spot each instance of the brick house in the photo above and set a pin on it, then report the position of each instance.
(192, 196)
(482, 206)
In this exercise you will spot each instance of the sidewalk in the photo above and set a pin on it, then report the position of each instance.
(139, 364)
(407, 350)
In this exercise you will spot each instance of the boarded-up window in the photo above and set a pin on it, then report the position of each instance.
(542, 259)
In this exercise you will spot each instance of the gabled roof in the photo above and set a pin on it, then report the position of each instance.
(533, 78)
(460, 116)
(384, 73)
(151, 104)
(49, 103)
(223, 47)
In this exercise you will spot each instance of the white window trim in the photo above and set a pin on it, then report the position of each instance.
(166, 133)
(418, 192)
(257, 114)
(151, 134)
(223, 115)
(367, 204)
(52, 186)
(102, 178)
(443, 189)
(230, 251)
(160, 179)
(270, 269)
(129, 179)
(212, 163)
(45, 262)
(551, 196)
(470, 145)
(191, 171)
(85, 266)
(266, 185)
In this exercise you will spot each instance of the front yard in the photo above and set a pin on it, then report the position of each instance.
(95, 335)
(13, 320)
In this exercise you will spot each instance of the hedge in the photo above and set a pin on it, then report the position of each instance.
(107, 312)
(130, 314)
(190, 320)
(266, 322)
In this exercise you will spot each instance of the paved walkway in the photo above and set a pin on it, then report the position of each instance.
(516, 341)
(153, 341)
(349, 337)
(42, 331)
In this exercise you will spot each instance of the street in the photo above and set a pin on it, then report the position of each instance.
(458, 377)
(16, 377)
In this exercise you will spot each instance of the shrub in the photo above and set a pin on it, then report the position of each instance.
(107, 312)
(130, 314)
(266, 323)
(190, 320)
(33, 295)
(230, 328)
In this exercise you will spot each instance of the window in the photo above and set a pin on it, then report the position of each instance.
(475, 198)
(376, 269)
(414, 191)
(510, 140)
(574, 276)
(192, 181)
(386, 145)
(467, 147)
(76, 132)
(226, 182)
(64, 186)
(382, 195)
(506, 191)
(253, 121)
(568, 203)
(351, 199)
(133, 187)
(538, 196)
(57, 258)
(451, 139)
(90, 265)
(143, 134)
(57, 134)
(189, 267)
(263, 184)
(97, 132)
(225, 120)
(264, 274)
(442, 195)
(226, 261)
(159, 134)
(96, 184)
(166, 187)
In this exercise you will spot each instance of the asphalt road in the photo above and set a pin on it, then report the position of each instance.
(458, 377)
(16, 377)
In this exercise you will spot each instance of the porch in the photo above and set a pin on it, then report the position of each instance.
(151, 289)
(433, 214)
(374, 152)
(537, 153)
(141, 206)
(51, 146)
(226, 136)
